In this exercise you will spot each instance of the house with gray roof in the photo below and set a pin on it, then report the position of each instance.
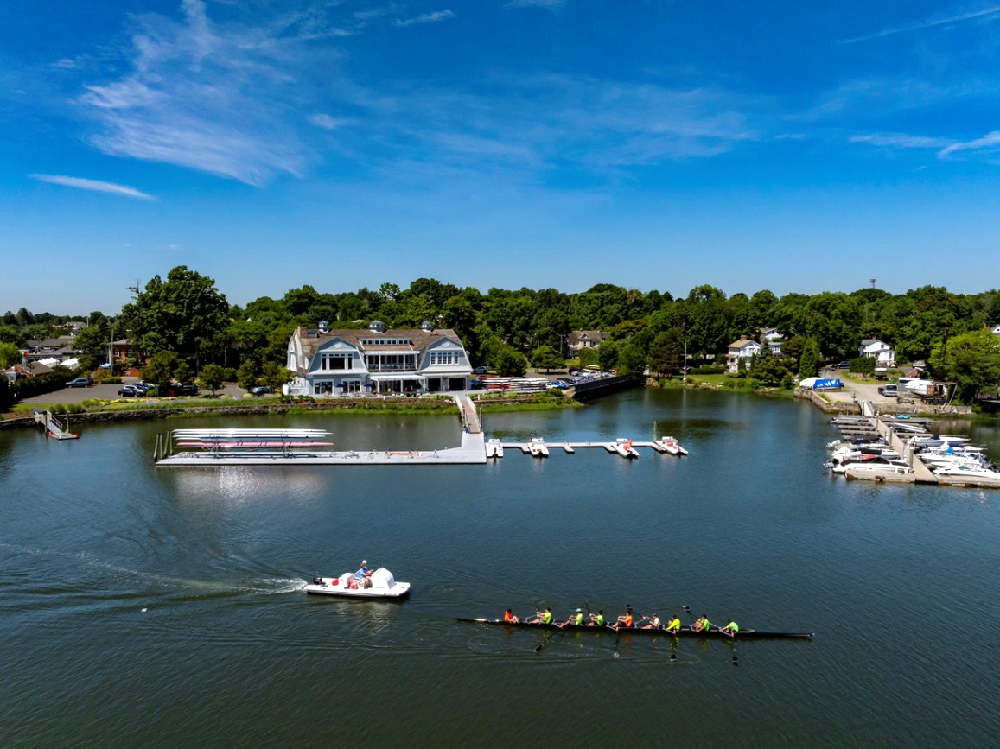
(331, 363)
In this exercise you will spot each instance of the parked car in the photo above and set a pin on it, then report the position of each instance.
(130, 391)
(844, 365)
(80, 382)
(888, 391)
(260, 390)
(480, 370)
(188, 390)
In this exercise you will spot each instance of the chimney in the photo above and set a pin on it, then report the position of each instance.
(324, 326)
(743, 337)
(426, 326)
(376, 326)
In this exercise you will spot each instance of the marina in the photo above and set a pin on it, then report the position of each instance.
(896, 450)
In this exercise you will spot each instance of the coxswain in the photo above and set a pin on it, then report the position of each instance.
(626, 620)
(703, 624)
(730, 629)
(597, 620)
(576, 618)
(674, 625)
(509, 618)
(654, 622)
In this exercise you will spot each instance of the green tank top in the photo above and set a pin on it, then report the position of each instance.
(705, 625)
(600, 620)
(579, 618)
(548, 617)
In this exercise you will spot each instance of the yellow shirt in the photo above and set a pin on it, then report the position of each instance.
(675, 624)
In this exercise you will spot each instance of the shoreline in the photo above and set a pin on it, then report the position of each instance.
(439, 407)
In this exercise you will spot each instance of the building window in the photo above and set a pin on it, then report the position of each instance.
(338, 360)
(445, 357)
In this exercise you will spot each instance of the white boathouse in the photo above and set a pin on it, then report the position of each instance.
(332, 363)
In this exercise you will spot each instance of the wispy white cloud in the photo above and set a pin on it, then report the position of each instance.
(435, 17)
(327, 122)
(200, 97)
(988, 141)
(901, 140)
(925, 25)
(91, 184)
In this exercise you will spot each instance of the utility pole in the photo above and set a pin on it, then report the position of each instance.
(873, 280)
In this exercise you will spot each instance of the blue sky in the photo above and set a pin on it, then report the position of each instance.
(542, 143)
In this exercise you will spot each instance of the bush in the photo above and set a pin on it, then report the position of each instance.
(554, 393)
(229, 374)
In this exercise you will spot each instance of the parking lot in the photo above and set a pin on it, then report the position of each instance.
(110, 392)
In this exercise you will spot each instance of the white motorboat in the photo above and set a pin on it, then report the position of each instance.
(494, 448)
(538, 448)
(624, 448)
(383, 585)
(670, 445)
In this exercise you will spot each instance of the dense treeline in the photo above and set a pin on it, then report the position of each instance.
(187, 315)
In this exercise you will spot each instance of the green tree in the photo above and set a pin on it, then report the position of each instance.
(508, 362)
(607, 354)
(631, 360)
(182, 314)
(91, 344)
(769, 370)
(211, 377)
(547, 358)
(249, 374)
(971, 361)
(665, 352)
(11, 334)
(588, 356)
(274, 375)
(160, 370)
(809, 359)
(9, 356)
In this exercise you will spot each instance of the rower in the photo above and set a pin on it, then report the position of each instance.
(730, 629)
(654, 622)
(703, 624)
(597, 620)
(674, 625)
(542, 617)
(626, 620)
(576, 618)
(509, 618)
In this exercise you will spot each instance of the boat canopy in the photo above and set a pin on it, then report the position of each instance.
(382, 578)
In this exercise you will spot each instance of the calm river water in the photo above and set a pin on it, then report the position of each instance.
(144, 607)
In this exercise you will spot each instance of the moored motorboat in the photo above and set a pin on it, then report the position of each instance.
(670, 445)
(624, 448)
(494, 448)
(383, 585)
(685, 631)
(538, 448)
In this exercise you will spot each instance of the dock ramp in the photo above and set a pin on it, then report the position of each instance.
(53, 427)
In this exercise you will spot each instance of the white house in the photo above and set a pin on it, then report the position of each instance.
(578, 340)
(882, 353)
(773, 338)
(348, 362)
(742, 349)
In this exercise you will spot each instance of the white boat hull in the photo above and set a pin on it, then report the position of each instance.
(383, 586)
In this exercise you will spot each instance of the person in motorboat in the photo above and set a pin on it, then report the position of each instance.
(509, 618)
(597, 620)
(364, 575)
(654, 622)
(542, 617)
(625, 620)
(730, 629)
(703, 624)
(576, 618)
(674, 625)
